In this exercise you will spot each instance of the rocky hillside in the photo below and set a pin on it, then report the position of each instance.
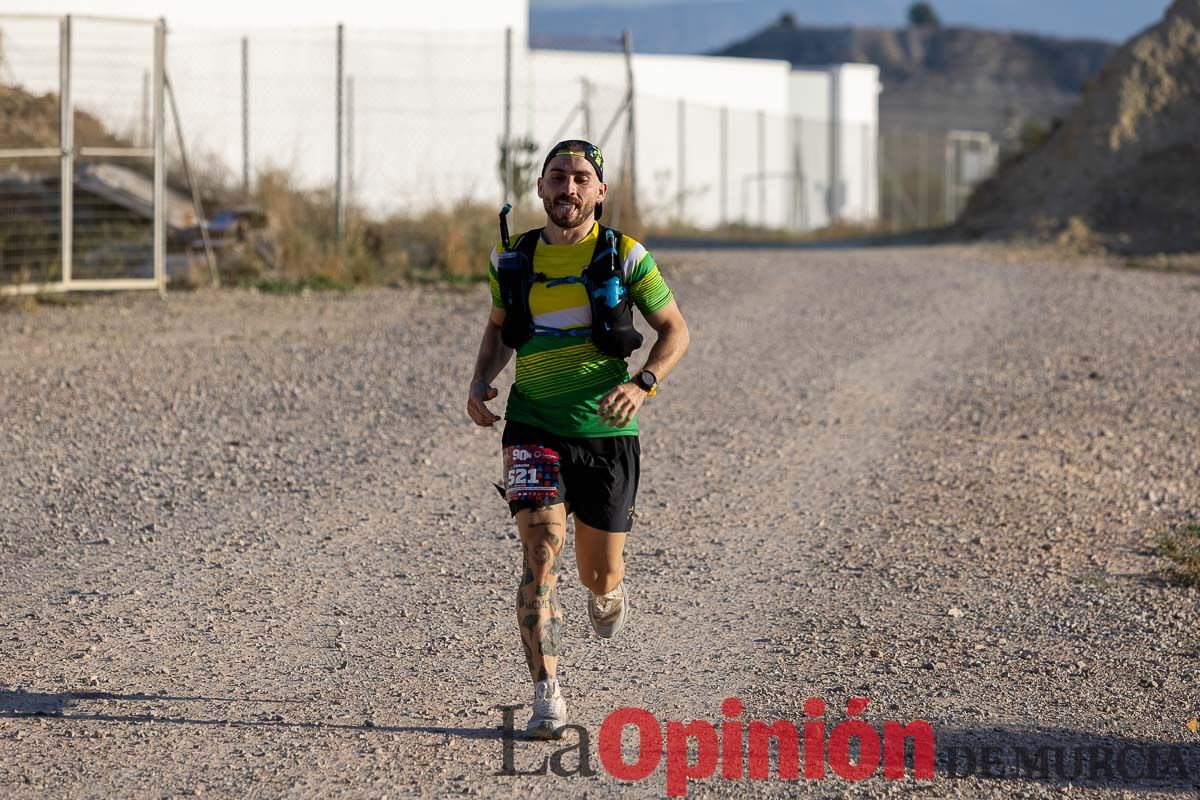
(939, 78)
(1124, 169)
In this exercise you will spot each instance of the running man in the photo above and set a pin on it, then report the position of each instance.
(571, 437)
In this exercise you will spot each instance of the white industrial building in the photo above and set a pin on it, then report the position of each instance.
(719, 140)
(732, 140)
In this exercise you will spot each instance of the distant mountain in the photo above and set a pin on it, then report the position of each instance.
(937, 78)
(966, 55)
(693, 26)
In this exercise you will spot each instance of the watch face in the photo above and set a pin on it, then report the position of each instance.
(646, 379)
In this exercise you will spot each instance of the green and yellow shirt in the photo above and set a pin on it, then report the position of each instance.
(561, 379)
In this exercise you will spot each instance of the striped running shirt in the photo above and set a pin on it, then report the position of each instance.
(561, 379)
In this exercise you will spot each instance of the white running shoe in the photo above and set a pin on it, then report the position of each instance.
(549, 711)
(608, 611)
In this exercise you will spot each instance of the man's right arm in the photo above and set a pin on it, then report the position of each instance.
(493, 356)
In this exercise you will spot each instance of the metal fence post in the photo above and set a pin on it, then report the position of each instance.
(585, 103)
(724, 165)
(197, 205)
(506, 145)
(246, 115)
(630, 122)
(799, 219)
(922, 182)
(865, 204)
(682, 155)
(949, 181)
(877, 170)
(338, 200)
(350, 140)
(762, 168)
(67, 145)
(144, 133)
(160, 167)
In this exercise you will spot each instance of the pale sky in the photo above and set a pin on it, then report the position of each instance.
(458, 15)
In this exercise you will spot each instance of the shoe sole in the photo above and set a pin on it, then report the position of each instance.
(545, 731)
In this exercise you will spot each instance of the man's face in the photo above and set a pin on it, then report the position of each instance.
(570, 191)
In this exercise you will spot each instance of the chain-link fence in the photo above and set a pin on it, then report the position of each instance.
(720, 167)
(926, 176)
(80, 174)
(420, 112)
(387, 124)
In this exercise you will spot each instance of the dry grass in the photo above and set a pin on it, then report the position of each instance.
(299, 243)
(1182, 547)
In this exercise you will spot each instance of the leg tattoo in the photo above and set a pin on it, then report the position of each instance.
(538, 610)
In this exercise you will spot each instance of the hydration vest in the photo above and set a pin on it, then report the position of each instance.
(612, 328)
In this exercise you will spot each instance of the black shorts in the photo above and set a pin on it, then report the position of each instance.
(596, 477)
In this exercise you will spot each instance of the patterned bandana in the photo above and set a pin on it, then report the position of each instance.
(589, 152)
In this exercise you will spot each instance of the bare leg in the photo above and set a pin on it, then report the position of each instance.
(539, 614)
(598, 555)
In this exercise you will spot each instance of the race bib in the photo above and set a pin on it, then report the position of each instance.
(530, 473)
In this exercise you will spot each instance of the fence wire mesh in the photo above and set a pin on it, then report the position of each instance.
(395, 123)
(97, 171)
(30, 194)
(112, 64)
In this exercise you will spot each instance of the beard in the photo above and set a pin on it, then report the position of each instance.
(581, 211)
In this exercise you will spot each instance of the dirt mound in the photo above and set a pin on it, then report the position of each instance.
(1123, 172)
(29, 120)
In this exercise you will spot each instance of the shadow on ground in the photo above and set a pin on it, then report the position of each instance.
(18, 704)
(1057, 757)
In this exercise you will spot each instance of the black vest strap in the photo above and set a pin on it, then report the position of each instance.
(515, 273)
(527, 244)
(612, 310)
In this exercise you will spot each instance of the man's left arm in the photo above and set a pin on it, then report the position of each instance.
(620, 405)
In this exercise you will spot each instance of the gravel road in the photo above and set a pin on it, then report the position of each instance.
(250, 547)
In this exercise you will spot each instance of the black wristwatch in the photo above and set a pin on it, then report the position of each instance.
(646, 380)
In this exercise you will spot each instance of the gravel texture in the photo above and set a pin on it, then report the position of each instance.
(250, 546)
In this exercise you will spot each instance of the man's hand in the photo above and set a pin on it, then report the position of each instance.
(618, 406)
(477, 408)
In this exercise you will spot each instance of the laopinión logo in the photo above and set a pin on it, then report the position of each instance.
(804, 748)
(853, 749)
